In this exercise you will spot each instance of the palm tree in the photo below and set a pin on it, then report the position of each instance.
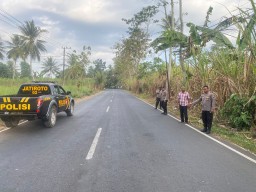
(1, 50)
(31, 42)
(76, 68)
(15, 51)
(50, 66)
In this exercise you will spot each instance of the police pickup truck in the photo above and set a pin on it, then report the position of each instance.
(37, 100)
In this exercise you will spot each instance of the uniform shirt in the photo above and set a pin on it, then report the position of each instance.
(183, 98)
(207, 101)
(158, 94)
(164, 95)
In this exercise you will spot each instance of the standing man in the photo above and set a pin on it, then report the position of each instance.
(208, 108)
(158, 97)
(183, 101)
(164, 100)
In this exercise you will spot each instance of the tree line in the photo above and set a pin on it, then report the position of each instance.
(28, 46)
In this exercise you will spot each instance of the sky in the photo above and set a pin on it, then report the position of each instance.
(96, 23)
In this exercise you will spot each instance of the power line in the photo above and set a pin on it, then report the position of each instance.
(9, 19)
(18, 21)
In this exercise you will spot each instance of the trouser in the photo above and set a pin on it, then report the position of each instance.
(207, 117)
(158, 102)
(184, 113)
(164, 106)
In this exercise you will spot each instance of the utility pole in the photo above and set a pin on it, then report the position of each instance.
(63, 72)
(170, 51)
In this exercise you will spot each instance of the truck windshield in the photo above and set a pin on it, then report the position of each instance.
(34, 89)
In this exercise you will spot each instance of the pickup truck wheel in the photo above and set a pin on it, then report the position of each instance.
(12, 123)
(51, 121)
(70, 111)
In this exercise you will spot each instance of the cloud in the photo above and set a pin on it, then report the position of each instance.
(97, 23)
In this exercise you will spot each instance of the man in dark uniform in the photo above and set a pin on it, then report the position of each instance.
(164, 100)
(158, 97)
(208, 107)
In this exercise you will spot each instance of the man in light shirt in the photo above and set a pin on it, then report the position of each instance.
(183, 102)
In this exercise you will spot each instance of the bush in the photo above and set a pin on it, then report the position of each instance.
(239, 112)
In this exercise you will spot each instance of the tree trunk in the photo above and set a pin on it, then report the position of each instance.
(13, 69)
(31, 71)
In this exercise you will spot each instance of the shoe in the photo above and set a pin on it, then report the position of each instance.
(181, 121)
(208, 132)
(203, 130)
(163, 113)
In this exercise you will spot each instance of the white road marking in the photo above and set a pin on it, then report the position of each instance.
(23, 122)
(111, 101)
(94, 144)
(224, 145)
(4, 130)
(219, 142)
(107, 109)
(18, 124)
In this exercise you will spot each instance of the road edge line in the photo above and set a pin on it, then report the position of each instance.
(213, 139)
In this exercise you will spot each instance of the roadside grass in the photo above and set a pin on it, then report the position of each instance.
(6, 90)
(241, 139)
(78, 88)
(79, 92)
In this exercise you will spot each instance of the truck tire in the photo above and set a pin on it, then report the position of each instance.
(70, 111)
(12, 122)
(51, 121)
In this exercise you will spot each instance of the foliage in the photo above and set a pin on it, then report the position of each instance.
(32, 45)
(170, 38)
(111, 78)
(24, 70)
(239, 111)
(15, 51)
(5, 71)
(50, 67)
(77, 63)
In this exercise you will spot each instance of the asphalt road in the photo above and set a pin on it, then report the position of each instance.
(117, 143)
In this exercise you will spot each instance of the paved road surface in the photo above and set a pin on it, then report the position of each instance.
(136, 150)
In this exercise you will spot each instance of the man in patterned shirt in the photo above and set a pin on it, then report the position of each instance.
(183, 102)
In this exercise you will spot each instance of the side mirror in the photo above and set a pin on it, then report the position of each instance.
(68, 92)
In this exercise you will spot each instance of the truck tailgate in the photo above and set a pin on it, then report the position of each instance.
(18, 105)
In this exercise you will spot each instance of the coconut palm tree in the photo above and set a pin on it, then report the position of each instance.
(33, 46)
(15, 51)
(50, 67)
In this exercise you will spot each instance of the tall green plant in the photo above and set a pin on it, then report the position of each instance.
(32, 44)
(50, 67)
(15, 52)
(239, 112)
